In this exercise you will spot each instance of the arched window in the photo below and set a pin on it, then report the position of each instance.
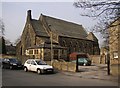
(71, 44)
(70, 47)
(64, 43)
(77, 47)
(80, 47)
(86, 47)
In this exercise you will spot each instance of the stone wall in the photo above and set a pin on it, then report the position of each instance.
(114, 33)
(115, 70)
(113, 41)
(64, 66)
(7, 56)
(79, 45)
(47, 54)
(40, 40)
(27, 38)
(95, 59)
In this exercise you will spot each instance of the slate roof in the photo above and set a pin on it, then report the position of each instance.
(60, 27)
(92, 37)
(64, 28)
(38, 28)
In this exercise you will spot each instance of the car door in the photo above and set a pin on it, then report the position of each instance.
(33, 66)
(6, 63)
(85, 61)
(28, 64)
(81, 61)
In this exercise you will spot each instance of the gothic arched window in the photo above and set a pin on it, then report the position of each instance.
(71, 44)
(77, 47)
(64, 43)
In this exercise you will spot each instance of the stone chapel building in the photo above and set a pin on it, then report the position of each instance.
(114, 47)
(64, 37)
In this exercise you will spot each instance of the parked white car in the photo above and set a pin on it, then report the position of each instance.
(38, 66)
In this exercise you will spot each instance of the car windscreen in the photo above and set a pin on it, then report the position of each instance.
(13, 60)
(40, 62)
(84, 59)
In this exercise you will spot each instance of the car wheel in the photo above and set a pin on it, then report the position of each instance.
(25, 69)
(39, 71)
(53, 71)
(11, 67)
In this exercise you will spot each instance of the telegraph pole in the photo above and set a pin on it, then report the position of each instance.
(51, 40)
(108, 63)
(51, 46)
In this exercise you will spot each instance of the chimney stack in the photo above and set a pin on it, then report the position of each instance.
(29, 17)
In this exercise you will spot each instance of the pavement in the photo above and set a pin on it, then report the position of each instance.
(93, 72)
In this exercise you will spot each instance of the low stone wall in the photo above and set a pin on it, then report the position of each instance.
(114, 61)
(64, 66)
(7, 56)
(115, 69)
(71, 66)
(95, 59)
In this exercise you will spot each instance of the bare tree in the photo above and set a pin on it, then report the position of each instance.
(2, 46)
(106, 11)
(7, 42)
(2, 27)
(17, 40)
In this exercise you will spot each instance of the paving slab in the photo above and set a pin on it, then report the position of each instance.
(93, 72)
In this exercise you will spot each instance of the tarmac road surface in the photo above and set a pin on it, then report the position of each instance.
(21, 78)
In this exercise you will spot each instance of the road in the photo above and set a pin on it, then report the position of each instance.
(21, 78)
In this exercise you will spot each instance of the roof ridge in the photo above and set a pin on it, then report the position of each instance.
(68, 22)
(62, 20)
(62, 27)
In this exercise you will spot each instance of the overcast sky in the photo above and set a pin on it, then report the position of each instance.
(14, 15)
